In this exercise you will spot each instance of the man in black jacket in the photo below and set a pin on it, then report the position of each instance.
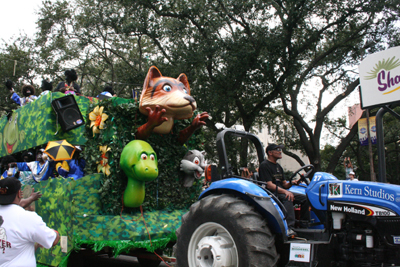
(271, 172)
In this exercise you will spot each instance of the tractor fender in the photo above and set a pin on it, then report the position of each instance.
(256, 196)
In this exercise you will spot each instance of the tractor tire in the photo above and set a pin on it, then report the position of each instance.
(224, 230)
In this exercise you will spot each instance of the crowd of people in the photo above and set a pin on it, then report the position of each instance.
(33, 165)
(30, 169)
(19, 240)
(68, 86)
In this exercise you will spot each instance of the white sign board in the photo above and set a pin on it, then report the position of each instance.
(300, 252)
(380, 78)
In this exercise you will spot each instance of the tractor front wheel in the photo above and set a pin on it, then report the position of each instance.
(223, 230)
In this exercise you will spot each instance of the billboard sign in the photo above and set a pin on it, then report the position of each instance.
(380, 78)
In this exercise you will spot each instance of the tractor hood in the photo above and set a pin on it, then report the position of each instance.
(325, 192)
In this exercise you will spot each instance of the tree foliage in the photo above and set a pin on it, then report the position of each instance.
(79, 34)
(243, 55)
(360, 155)
(245, 60)
(17, 63)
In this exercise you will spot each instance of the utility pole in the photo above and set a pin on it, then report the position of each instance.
(371, 160)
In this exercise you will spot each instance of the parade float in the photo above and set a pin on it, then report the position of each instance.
(116, 207)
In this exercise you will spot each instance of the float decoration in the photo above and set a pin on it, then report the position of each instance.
(139, 162)
(12, 136)
(97, 118)
(60, 150)
(103, 165)
(192, 167)
(36, 123)
(165, 99)
(167, 191)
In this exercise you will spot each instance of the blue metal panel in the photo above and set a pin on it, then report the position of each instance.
(317, 190)
(377, 194)
(299, 189)
(249, 190)
(326, 187)
(238, 185)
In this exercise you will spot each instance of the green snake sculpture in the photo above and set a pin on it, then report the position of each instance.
(139, 162)
(12, 136)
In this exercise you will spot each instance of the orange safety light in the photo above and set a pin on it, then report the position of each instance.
(207, 173)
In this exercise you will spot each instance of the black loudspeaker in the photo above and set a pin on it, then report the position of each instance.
(68, 113)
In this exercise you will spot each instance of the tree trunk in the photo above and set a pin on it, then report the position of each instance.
(341, 148)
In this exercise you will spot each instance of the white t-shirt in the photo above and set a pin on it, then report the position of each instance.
(19, 230)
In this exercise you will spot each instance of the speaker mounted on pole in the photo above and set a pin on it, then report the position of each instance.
(68, 113)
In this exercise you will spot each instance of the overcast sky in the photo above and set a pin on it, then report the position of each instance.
(18, 16)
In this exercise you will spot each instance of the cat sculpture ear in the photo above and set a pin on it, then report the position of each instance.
(151, 74)
(183, 79)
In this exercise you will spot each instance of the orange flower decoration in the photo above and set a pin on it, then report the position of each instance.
(97, 118)
(103, 165)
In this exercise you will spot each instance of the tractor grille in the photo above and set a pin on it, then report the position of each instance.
(389, 228)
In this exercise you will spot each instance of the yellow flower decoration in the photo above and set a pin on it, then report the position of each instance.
(97, 118)
(103, 165)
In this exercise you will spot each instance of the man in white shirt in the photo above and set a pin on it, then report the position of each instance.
(352, 176)
(20, 229)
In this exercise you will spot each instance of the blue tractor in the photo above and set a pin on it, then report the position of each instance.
(238, 223)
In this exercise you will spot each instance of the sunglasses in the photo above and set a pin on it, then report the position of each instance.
(278, 149)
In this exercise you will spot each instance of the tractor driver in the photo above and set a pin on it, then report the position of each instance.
(271, 172)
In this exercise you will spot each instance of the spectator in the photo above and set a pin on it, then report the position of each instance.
(46, 87)
(28, 92)
(74, 168)
(352, 176)
(41, 169)
(244, 172)
(271, 172)
(10, 169)
(28, 156)
(20, 229)
(256, 175)
(13, 95)
(26, 202)
(348, 167)
(26, 176)
(108, 92)
(69, 85)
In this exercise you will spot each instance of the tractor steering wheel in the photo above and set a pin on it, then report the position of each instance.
(303, 177)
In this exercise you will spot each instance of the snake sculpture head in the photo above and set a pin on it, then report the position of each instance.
(139, 162)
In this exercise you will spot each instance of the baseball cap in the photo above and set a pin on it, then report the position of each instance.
(352, 173)
(271, 147)
(9, 188)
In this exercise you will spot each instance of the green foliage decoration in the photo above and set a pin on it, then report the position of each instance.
(166, 192)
